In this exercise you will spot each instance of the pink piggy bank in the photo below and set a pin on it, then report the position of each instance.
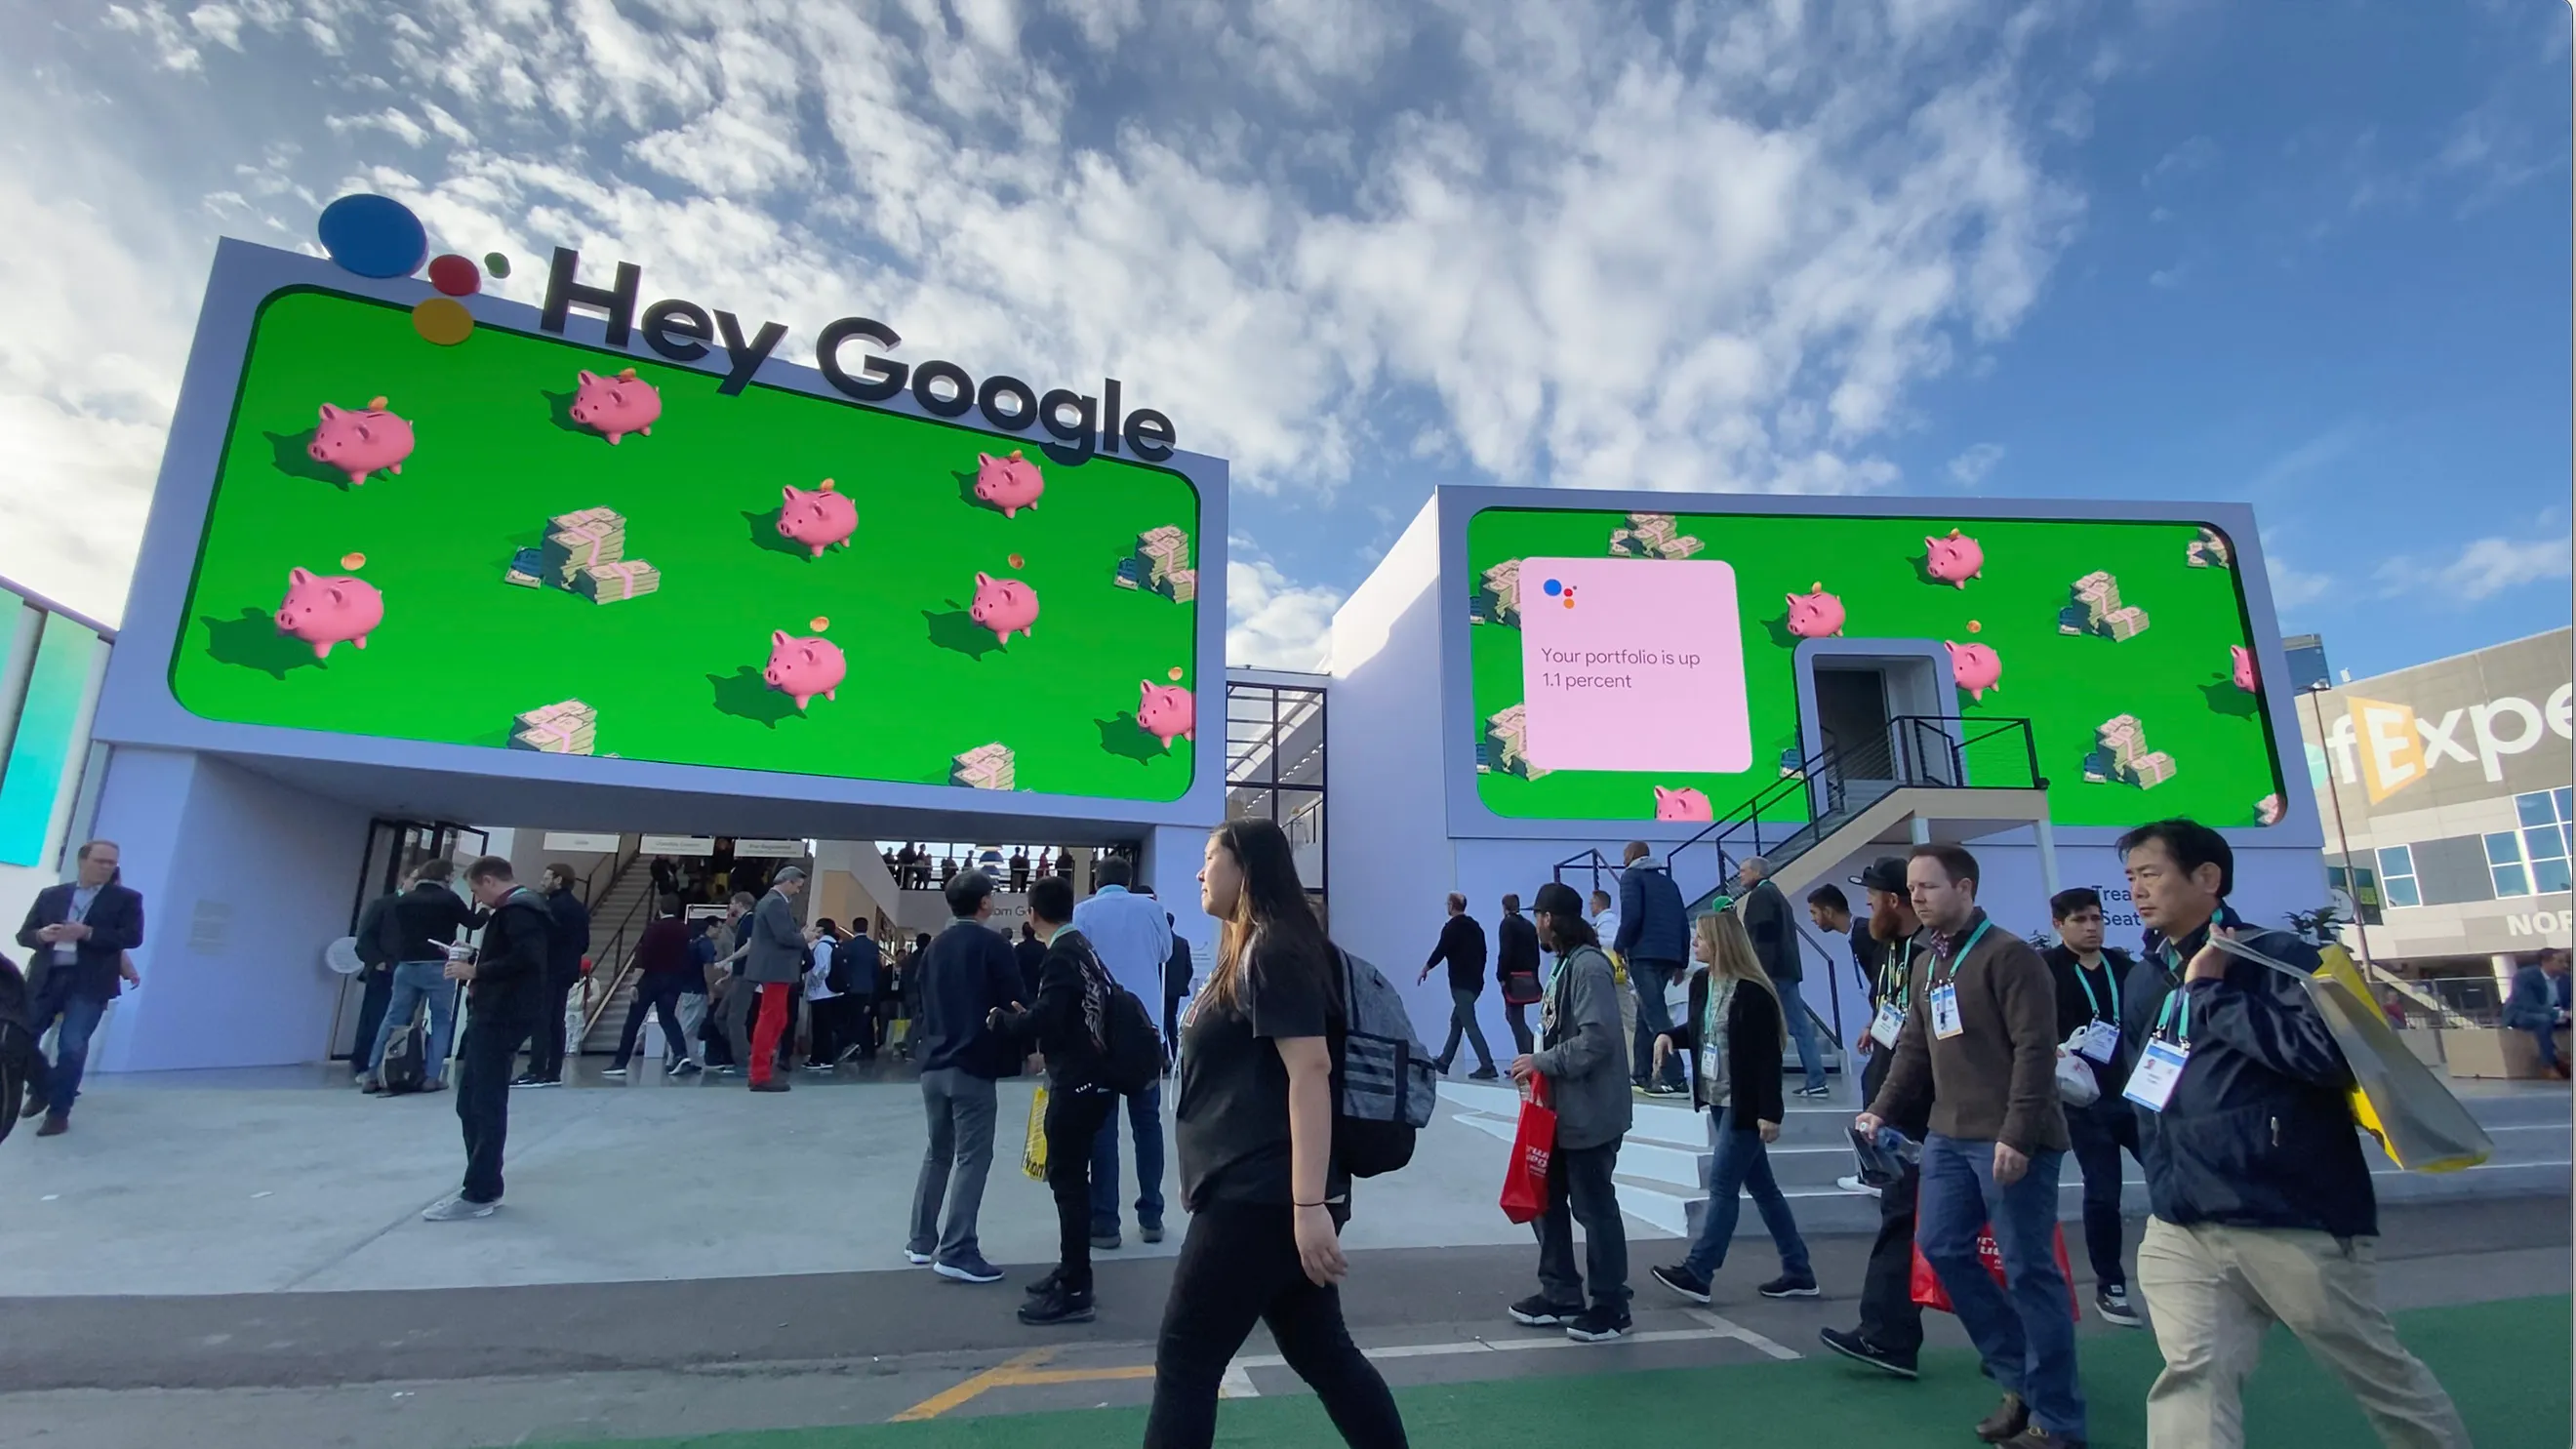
(1167, 712)
(804, 668)
(1683, 804)
(1814, 615)
(1009, 484)
(1975, 666)
(323, 611)
(818, 519)
(2241, 664)
(1005, 606)
(1955, 560)
(358, 441)
(616, 405)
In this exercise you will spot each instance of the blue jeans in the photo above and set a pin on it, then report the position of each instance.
(1802, 1030)
(1648, 979)
(1145, 1112)
(1741, 1166)
(58, 1085)
(415, 982)
(2026, 1331)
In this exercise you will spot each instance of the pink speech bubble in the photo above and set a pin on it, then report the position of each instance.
(1642, 670)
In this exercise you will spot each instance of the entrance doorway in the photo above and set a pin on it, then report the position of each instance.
(394, 849)
(1882, 707)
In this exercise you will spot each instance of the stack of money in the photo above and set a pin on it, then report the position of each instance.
(2123, 740)
(1654, 530)
(2127, 623)
(2209, 550)
(609, 583)
(1509, 731)
(2074, 619)
(985, 767)
(569, 728)
(2098, 594)
(2150, 770)
(1682, 547)
(1164, 552)
(1503, 591)
(1181, 585)
(576, 541)
(2267, 811)
(527, 569)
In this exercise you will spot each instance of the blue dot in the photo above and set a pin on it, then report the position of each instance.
(1554, 588)
(373, 236)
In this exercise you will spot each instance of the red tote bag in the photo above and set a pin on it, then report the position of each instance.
(1929, 1293)
(1525, 1181)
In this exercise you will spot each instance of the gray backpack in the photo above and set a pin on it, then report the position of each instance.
(1384, 1087)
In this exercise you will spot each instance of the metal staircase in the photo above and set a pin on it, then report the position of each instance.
(618, 915)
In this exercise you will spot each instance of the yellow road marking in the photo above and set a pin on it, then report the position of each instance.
(1077, 1376)
(949, 1398)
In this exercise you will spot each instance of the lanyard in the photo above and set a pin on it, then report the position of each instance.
(2083, 978)
(2168, 1017)
(1950, 967)
(1895, 977)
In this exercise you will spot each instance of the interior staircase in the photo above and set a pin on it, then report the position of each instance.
(618, 915)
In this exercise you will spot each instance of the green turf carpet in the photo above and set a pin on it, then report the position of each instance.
(2504, 1363)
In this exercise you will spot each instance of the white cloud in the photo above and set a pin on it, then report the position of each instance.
(1565, 245)
(1971, 467)
(1271, 623)
(2292, 586)
(2482, 569)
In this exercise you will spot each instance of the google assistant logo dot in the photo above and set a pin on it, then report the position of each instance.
(1558, 589)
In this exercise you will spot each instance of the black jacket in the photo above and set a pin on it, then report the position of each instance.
(969, 972)
(1775, 933)
(570, 939)
(1177, 972)
(2074, 1008)
(1462, 945)
(1073, 991)
(426, 919)
(2258, 1132)
(510, 969)
(1517, 956)
(1889, 966)
(1030, 954)
(1753, 1034)
(115, 922)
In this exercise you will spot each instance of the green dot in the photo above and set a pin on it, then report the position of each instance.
(496, 264)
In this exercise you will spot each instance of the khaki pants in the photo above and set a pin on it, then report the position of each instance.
(2212, 1291)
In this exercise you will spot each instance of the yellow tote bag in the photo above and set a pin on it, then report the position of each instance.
(1033, 1152)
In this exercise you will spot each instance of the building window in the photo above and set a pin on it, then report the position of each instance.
(2544, 837)
(2397, 876)
(2504, 862)
(1274, 768)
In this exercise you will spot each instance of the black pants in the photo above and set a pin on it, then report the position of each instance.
(1889, 1316)
(1072, 1125)
(492, 1037)
(372, 1006)
(1580, 1189)
(823, 1032)
(1517, 1013)
(545, 1032)
(655, 992)
(2098, 1133)
(1238, 1267)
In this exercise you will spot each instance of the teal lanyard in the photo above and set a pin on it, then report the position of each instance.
(2083, 978)
(1950, 968)
(2180, 1023)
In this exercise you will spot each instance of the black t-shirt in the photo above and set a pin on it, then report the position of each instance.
(1233, 1113)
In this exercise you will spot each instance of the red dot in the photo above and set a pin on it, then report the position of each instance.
(456, 276)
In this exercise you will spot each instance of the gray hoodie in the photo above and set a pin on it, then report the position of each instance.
(1583, 1055)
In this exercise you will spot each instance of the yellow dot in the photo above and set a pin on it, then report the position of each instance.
(818, 623)
(1974, 626)
(353, 561)
(1176, 674)
(442, 320)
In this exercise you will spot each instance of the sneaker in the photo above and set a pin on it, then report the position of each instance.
(1815, 1093)
(1853, 1184)
(2114, 1306)
(968, 1270)
(1598, 1325)
(1106, 1243)
(614, 1072)
(772, 1085)
(2007, 1422)
(35, 1109)
(1151, 1234)
(1664, 1089)
(1683, 1281)
(54, 1127)
(371, 1088)
(2036, 1437)
(1786, 1286)
(527, 1079)
(1861, 1350)
(688, 1068)
(433, 1086)
(1057, 1305)
(1484, 1074)
(728, 1070)
(918, 1258)
(457, 1209)
(1536, 1312)
(1046, 1285)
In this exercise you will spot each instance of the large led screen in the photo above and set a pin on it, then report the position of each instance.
(525, 543)
(1643, 666)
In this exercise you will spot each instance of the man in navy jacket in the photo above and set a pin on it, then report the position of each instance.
(1654, 939)
(2263, 1209)
(79, 931)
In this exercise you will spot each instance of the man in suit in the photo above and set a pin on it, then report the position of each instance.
(1775, 944)
(2539, 1005)
(1176, 988)
(79, 932)
(775, 963)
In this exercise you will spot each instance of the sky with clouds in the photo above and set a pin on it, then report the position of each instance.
(2312, 257)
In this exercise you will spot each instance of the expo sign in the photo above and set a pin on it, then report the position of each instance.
(2394, 747)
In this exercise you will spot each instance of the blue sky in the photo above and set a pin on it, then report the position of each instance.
(2313, 257)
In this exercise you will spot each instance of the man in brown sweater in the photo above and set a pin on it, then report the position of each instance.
(1980, 1040)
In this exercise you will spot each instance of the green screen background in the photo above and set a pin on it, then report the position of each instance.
(2174, 676)
(675, 675)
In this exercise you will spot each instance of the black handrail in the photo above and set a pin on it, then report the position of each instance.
(618, 952)
(1592, 862)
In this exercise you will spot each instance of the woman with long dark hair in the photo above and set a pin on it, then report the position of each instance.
(1266, 1199)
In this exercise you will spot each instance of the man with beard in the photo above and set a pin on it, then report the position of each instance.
(1890, 1335)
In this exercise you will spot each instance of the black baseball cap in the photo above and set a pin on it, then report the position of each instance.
(1887, 873)
(1556, 898)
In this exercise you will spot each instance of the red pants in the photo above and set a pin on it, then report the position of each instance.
(767, 1028)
